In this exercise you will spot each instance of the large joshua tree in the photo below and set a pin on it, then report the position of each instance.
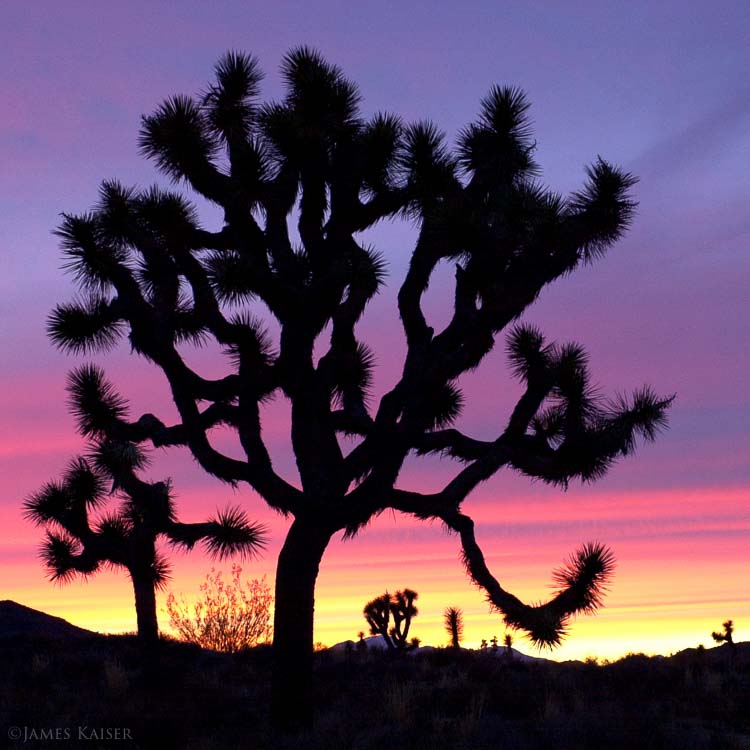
(150, 270)
(82, 535)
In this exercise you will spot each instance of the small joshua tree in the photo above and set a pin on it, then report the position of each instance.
(401, 607)
(454, 625)
(361, 642)
(508, 643)
(82, 537)
(228, 616)
(726, 635)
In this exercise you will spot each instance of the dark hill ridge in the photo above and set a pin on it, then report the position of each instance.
(17, 620)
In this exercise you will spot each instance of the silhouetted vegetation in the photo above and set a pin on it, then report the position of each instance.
(399, 606)
(185, 697)
(227, 616)
(149, 271)
(83, 535)
(454, 625)
(508, 643)
(725, 636)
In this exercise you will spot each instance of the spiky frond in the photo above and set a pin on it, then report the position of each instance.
(584, 578)
(368, 269)
(88, 255)
(505, 111)
(66, 503)
(161, 571)
(498, 148)
(381, 144)
(48, 504)
(115, 212)
(166, 215)
(114, 537)
(86, 325)
(572, 384)
(526, 351)
(354, 374)
(445, 406)
(604, 208)
(228, 102)
(177, 138)
(188, 325)
(94, 401)
(232, 533)
(645, 413)
(114, 528)
(428, 168)
(60, 554)
(115, 457)
(83, 484)
(254, 344)
(319, 94)
(233, 276)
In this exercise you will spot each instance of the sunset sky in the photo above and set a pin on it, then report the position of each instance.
(659, 88)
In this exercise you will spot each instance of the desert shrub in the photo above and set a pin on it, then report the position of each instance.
(228, 616)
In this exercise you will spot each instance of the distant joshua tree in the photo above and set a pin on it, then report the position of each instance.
(298, 183)
(361, 644)
(401, 607)
(726, 635)
(454, 625)
(508, 643)
(82, 537)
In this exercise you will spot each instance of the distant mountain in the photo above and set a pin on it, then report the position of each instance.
(377, 643)
(374, 643)
(17, 620)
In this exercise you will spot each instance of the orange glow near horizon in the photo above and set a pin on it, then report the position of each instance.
(676, 580)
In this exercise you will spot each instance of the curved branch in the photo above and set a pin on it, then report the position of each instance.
(582, 584)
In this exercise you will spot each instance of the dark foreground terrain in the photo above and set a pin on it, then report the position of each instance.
(182, 697)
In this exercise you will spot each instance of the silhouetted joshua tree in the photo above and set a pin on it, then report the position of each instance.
(726, 635)
(508, 643)
(401, 607)
(82, 537)
(149, 270)
(454, 625)
(361, 645)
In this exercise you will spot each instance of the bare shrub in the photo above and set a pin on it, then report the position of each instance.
(228, 615)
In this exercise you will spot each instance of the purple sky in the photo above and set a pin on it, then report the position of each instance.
(659, 88)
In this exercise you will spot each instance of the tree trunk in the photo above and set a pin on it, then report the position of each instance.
(296, 573)
(145, 608)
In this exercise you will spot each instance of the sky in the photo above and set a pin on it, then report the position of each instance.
(658, 88)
